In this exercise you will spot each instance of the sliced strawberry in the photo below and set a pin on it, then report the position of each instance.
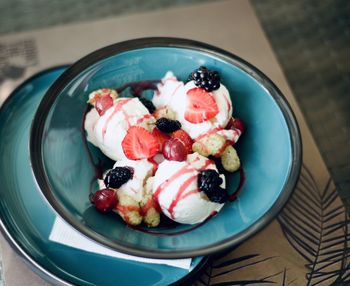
(185, 138)
(201, 106)
(103, 104)
(161, 137)
(139, 143)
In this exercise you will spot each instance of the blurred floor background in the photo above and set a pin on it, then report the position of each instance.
(312, 42)
(310, 38)
(24, 15)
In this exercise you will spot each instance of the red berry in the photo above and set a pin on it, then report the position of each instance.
(183, 136)
(201, 106)
(104, 200)
(174, 150)
(161, 137)
(103, 104)
(139, 143)
(237, 124)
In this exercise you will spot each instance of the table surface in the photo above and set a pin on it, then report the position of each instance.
(312, 42)
(309, 41)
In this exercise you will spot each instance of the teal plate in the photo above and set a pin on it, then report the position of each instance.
(27, 219)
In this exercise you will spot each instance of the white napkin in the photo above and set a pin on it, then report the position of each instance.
(65, 234)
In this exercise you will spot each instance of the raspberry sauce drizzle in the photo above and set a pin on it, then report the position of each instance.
(173, 224)
(239, 188)
(212, 131)
(180, 194)
(151, 203)
(159, 233)
(118, 108)
(97, 166)
(184, 170)
(136, 89)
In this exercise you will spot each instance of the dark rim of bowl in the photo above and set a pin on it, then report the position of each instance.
(49, 98)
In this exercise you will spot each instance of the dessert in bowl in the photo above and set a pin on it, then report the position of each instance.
(164, 147)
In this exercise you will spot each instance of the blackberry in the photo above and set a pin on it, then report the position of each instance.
(148, 104)
(217, 195)
(208, 180)
(117, 177)
(167, 125)
(205, 78)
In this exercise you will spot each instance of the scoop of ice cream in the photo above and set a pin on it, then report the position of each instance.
(175, 187)
(91, 119)
(135, 200)
(174, 94)
(166, 90)
(108, 131)
(223, 102)
(141, 170)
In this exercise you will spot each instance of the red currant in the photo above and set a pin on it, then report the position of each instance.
(103, 104)
(104, 200)
(174, 150)
(236, 123)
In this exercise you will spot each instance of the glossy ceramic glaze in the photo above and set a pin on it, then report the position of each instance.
(27, 219)
(270, 150)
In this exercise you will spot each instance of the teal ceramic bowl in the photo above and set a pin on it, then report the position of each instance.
(270, 150)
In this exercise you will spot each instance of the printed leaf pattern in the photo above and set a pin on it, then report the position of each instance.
(219, 269)
(316, 225)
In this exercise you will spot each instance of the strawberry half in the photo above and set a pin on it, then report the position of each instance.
(139, 143)
(183, 136)
(161, 137)
(201, 106)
